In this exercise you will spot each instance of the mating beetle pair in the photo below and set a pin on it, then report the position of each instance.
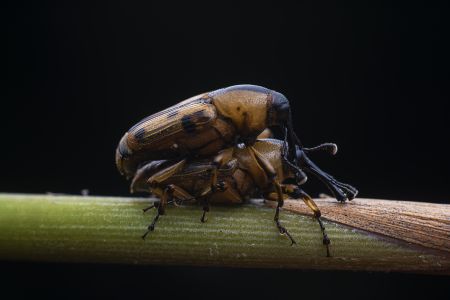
(211, 132)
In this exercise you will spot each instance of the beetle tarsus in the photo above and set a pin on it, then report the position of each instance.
(284, 231)
(326, 241)
(290, 237)
(280, 227)
(145, 234)
(203, 219)
(150, 228)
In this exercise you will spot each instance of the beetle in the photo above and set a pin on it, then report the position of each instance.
(203, 125)
(244, 172)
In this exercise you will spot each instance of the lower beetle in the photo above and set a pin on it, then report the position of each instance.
(242, 172)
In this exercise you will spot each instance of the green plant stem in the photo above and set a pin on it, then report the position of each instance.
(109, 230)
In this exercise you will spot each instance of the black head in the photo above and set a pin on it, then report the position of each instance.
(281, 110)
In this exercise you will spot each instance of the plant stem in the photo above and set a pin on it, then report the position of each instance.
(421, 223)
(109, 230)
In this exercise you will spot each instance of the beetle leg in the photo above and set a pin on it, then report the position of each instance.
(166, 173)
(168, 192)
(180, 194)
(276, 218)
(288, 189)
(159, 193)
(148, 208)
(281, 228)
(155, 181)
(273, 196)
(271, 173)
(299, 193)
(204, 195)
(156, 205)
(151, 227)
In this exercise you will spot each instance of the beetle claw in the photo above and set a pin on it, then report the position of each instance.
(145, 234)
(343, 199)
(147, 208)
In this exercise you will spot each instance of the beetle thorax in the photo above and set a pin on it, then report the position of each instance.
(247, 110)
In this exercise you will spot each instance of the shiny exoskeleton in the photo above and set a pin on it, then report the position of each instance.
(202, 125)
(244, 172)
(205, 124)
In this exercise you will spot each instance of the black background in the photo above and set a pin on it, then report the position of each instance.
(374, 78)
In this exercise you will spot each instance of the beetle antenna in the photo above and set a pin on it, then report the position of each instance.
(331, 148)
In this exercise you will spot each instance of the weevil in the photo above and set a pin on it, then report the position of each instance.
(243, 173)
(205, 124)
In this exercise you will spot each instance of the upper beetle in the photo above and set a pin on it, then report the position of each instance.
(203, 125)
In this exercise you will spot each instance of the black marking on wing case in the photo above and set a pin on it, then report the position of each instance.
(189, 116)
(188, 124)
(124, 151)
(139, 134)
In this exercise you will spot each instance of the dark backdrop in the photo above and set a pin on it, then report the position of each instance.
(373, 78)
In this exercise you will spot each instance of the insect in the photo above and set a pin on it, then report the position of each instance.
(243, 173)
(205, 124)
